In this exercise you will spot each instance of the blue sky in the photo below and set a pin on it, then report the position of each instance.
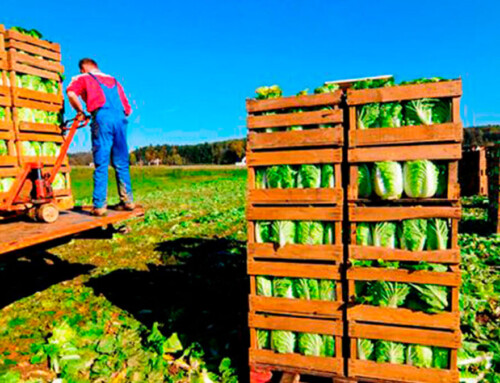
(188, 66)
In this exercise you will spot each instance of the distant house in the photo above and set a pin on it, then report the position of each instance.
(155, 162)
(243, 162)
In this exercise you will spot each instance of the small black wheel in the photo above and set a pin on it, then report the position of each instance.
(47, 213)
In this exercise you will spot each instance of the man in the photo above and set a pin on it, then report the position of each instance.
(109, 107)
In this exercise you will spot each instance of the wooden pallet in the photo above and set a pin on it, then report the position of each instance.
(451, 153)
(447, 132)
(315, 365)
(367, 369)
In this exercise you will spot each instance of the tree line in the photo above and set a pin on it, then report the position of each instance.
(218, 153)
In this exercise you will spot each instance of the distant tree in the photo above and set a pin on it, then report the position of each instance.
(133, 159)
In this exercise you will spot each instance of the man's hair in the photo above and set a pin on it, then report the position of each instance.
(86, 61)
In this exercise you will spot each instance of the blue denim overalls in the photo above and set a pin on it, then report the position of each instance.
(109, 139)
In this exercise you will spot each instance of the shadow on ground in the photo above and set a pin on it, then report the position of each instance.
(200, 292)
(23, 276)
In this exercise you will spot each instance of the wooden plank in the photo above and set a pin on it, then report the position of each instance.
(18, 67)
(294, 213)
(32, 104)
(294, 157)
(307, 364)
(9, 172)
(23, 58)
(296, 138)
(405, 276)
(16, 235)
(8, 160)
(7, 126)
(287, 323)
(449, 132)
(40, 137)
(7, 135)
(400, 373)
(438, 338)
(40, 128)
(46, 160)
(304, 101)
(19, 37)
(317, 117)
(293, 270)
(37, 96)
(296, 306)
(406, 153)
(293, 251)
(374, 253)
(397, 213)
(405, 92)
(297, 196)
(403, 316)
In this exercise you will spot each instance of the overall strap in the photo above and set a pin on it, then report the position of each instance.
(100, 83)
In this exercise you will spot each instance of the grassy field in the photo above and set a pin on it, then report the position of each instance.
(104, 310)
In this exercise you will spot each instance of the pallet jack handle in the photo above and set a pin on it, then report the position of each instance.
(70, 127)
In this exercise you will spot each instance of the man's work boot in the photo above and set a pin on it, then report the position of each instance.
(99, 211)
(124, 206)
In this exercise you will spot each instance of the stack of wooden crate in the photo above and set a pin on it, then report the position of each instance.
(41, 61)
(400, 324)
(295, 131)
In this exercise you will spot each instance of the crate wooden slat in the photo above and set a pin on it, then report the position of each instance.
(443, 89)
(367, 369)
(46, 160)
(293, 270)
(447, 132)
(327, 196)
(403, 316)
(304, 101)
(319, 117)
(40, 137)
(8, 160)
(332, 253)
(294, 213)
(299, 138)
(20, 94)
(397, 213)
(316, 308)
(405, 276)
(295, 157)
(314, 364)
(32, 45)
(451, 256)
(406, 153)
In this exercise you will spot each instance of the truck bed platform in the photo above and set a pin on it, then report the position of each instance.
(17, 234)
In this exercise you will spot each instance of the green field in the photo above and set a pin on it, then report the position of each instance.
(104, 310)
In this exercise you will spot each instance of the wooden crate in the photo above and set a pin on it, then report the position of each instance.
(315, 365)
(21, 137)
(367, 369)
(11, 159)
(450, 153)
(447, 132)
(451, 257)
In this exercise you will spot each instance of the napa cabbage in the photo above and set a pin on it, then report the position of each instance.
(391, 115)
(365, 349)
(283, 232)
(389, 294)
(365, 187)
(262, 231)
(59, 182)
(420, 179)
(310, 344)
(267, 92)
(310, 233)
(440, 357)
(260, 178)
(413, 234)
(363, 234)
(390, 352)
(368, 116)
(327, 176)
(329, 233)
(309, 176)
(326, 290)
(434, 298)
(4, 150)
(6, 184)
(263, 339)
(419, 356)
(264, 286)
(283, 342)
(50, 149)
(437, 234)
(384, 234)
(388, 180)
(282, 288)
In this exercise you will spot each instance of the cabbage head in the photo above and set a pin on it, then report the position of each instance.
(263, 339)
(313, 288)
(4, 150)
(368, 116)
(283, 342)
(328, 346)
(301, 289)
(420, 179)
(388, 180)
(384, 234)
(365, 187)
(363, 234)
(389, 294)
(262, 231)
(283, 288)
(37, 147)
(27, 149)
(310, 233)
(264, 286)
(260, 178)
(3, 113)
(59, 182)
(327, 290)
(365, 349)
(26, 114)
(309, 176)
(280, 176)
(327, 176)
(310, 344)
(440, 357)
(6, 184)
(434, 297)
(427, 111)
(437, 234)
(283, 232)
(391, 115)
(50, 149)
(273, 177)
(413, 234)
(419, 356)
(329, 233)
(390, 352)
